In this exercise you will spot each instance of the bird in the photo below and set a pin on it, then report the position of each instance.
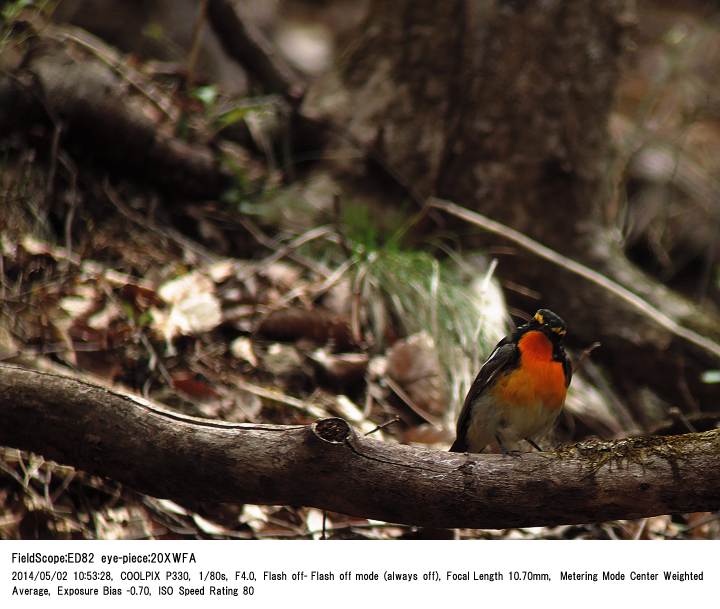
(520, 389)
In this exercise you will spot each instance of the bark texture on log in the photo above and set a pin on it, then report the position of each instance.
(327, 465)
(502, 107)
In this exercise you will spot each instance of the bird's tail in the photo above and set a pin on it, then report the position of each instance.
(458, 446)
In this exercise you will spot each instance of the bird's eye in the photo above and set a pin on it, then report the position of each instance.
(539, 318)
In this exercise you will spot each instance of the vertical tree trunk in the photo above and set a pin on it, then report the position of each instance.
(502, 107)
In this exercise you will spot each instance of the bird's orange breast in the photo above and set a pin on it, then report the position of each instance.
(538, 380)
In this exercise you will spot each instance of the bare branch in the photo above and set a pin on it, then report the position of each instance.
(247, 45)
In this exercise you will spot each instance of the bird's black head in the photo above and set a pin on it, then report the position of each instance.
(548, 322)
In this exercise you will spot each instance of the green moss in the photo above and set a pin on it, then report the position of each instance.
(639, 450)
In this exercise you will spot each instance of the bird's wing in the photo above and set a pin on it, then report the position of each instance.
(567, 368)
(504, 357)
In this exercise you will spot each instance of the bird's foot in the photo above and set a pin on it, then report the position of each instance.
(514, 453)
(506, 451)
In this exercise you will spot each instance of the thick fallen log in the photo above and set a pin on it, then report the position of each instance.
(329, 466)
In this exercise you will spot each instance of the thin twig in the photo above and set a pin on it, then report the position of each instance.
(306, 237)
(583, 271)
(337, 221)
(342, 527)
(580, 360)
(356, 304)
(641, 529)
(155, 361)
(273, 244)
(276, 396)
(679, 416)
(3, 284)
(195, 44)
(172, 235)
(392, 421)
(410, 403)
(71, 168)
(309, 290)
(54, 152)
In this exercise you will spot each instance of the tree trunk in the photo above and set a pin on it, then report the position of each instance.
(502, 107)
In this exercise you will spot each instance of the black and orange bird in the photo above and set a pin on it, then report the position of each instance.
(520, 389)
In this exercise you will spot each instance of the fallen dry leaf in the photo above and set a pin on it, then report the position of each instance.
(413, 363)
(241, 348)
(194, 308)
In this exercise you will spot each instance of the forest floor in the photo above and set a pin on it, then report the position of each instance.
(281, 302)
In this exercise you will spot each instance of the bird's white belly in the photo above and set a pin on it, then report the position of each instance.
(510, 424)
